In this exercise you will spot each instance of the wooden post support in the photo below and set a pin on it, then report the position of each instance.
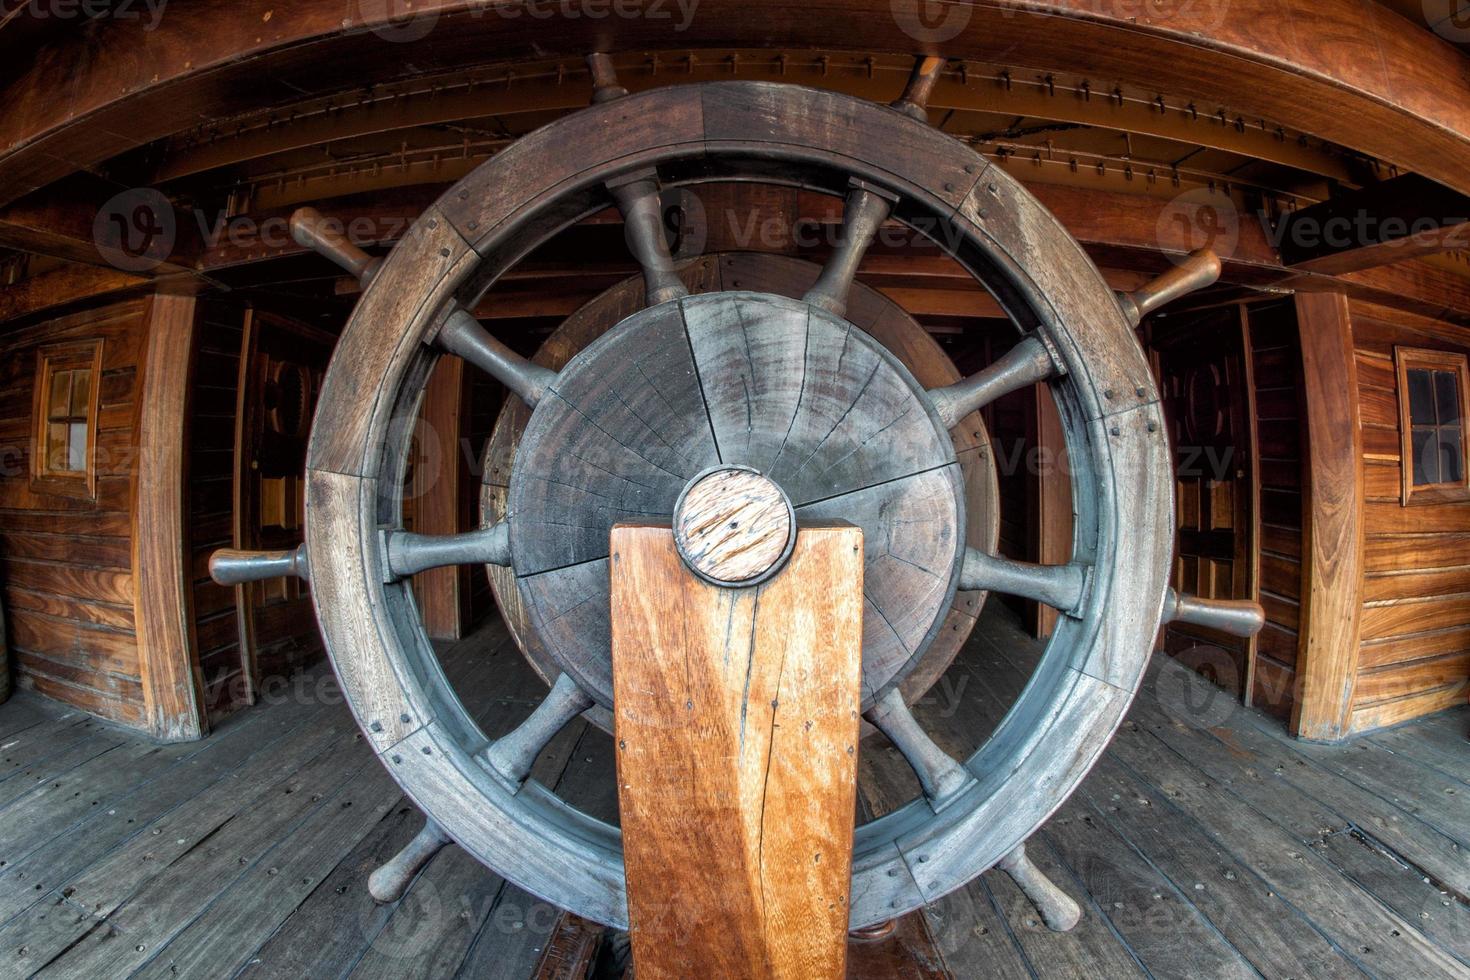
(737, 733)
(1332, 569)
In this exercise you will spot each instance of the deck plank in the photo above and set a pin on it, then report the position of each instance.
(1321, 861)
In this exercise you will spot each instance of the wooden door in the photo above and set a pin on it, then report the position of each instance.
(281, 368)
(1200, 362)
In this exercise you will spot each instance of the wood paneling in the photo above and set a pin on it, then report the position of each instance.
(65, 562)
(1275, 378)
(168, 666)
(1332, 605)
(1415, 650)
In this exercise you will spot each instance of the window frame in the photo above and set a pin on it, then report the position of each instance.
(51, 359)
(1408, 359)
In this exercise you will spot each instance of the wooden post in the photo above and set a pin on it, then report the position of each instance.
(439, 590)
(737, 732)
(1333, 520)
(163, 603)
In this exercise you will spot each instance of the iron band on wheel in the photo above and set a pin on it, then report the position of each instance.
(979, 810)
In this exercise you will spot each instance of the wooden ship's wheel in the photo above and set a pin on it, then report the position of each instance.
(734, 374)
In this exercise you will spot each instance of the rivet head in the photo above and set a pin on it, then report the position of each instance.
(376, 726)
(397, 759)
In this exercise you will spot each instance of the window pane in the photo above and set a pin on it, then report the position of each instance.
(55, 449)
(1451, 455)
(76, 455)
(59, 397)
(81, 392)
(1421, 397)
(1426, 456)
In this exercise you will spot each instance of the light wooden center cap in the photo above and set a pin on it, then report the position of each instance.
(733, 526)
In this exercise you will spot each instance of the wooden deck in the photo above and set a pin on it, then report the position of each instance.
(1206, 843)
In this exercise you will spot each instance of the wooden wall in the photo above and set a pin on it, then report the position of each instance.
(1276, 369)
(66, 563)
(1415, 634)
(211, 504)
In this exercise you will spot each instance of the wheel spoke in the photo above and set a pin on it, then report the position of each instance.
(311, 230)
(408, 553)
(1238, 617)
(643, 223)
(462, 335)
(865, 211)
(1057, 908)
(230, 567)
(605, 85)
(915, 99)
(511, 756)
(389, 882)
(1201, 269)
(1059, 586)
(942, 778)
(1027, 363)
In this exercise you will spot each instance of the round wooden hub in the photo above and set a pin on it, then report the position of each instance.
(733, 526)
(736, 379)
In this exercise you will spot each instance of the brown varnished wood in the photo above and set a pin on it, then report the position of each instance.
(168, 668)
(1322, 67)
(436, 492)
(737, 757)
(1332, 605)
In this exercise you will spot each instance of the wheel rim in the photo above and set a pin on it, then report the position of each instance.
(723, 131)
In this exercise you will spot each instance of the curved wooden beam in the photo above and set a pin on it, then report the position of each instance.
(1323, 69)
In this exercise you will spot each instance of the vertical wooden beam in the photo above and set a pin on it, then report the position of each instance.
(1252, 524)
(737, 731)
(163, 603)
(437, 485)
(1332, 569)
(1053, 515)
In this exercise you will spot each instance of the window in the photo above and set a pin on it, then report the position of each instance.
(1433, 408)
(67, 378)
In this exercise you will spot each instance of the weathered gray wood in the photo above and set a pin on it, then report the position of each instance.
(463, 336)
(643, 221)
(1238, 617)
(410, 553)
(228, 566)
(940, 776)
(1041, 277)
(758, 381)
(1055, 906)
(311, 230)
(866, 209)
(389, 881)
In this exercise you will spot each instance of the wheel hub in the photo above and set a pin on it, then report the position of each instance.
(777, 386)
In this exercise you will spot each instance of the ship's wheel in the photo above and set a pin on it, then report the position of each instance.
(790, 387)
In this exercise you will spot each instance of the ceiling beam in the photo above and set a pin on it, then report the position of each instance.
(1403, 218)
(1320, 68)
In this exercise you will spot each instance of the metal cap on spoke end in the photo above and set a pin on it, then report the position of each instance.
(734, 527)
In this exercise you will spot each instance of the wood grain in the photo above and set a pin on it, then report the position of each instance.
(172, 688)
(1332, 608)
(783, 276)
(737, 754)
(733, 525)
